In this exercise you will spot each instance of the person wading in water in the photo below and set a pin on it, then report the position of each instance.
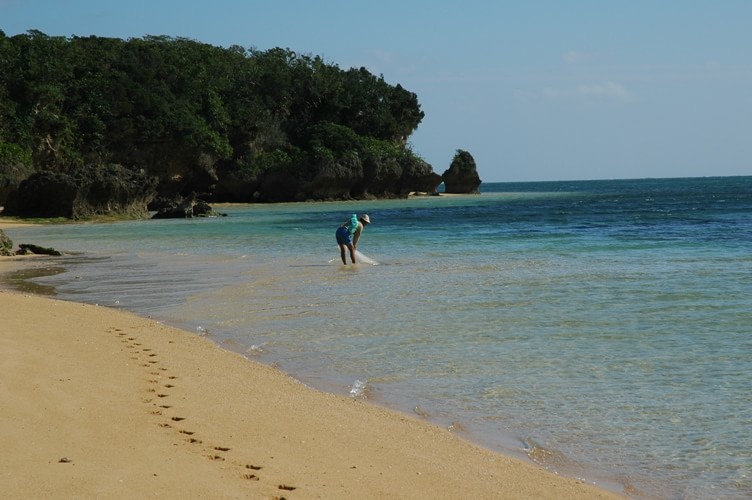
(348, 235)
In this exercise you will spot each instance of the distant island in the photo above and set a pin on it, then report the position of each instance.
(93, 125)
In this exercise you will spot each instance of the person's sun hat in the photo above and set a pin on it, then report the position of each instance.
(365, 218)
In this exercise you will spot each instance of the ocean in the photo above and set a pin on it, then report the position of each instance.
(602, 329)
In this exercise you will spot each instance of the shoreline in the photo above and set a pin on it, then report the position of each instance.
(137, 407)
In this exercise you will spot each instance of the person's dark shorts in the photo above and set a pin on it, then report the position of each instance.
(343, 236)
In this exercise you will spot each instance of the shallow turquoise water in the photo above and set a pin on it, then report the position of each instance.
(603, 327)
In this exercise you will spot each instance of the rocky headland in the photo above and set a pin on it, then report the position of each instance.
(107, 127)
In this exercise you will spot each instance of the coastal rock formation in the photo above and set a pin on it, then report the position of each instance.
(462, 175)
(334, 179)
(187, 173)
(116, 190)
(6, 245)
(185, 209)
(344, 178)
(11, 175)
(418, 176)
(203, 209)
(83, 193)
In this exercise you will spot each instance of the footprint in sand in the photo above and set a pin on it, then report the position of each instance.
(159, 372)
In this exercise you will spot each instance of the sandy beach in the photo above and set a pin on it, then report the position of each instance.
(99, 403)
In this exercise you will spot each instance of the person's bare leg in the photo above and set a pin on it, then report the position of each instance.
(342, 254)
(352, 253)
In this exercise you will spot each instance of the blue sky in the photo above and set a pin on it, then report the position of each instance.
(534, 89)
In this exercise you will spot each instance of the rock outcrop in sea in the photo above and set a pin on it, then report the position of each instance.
(462, 175)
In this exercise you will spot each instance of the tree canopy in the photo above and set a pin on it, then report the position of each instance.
(193, 114)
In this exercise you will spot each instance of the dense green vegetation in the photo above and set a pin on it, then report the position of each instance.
(225, 121)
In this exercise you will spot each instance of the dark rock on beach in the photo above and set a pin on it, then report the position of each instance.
(6, 248)
(203, 209)
(83, 193)
(29, 248)
(178, 212)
